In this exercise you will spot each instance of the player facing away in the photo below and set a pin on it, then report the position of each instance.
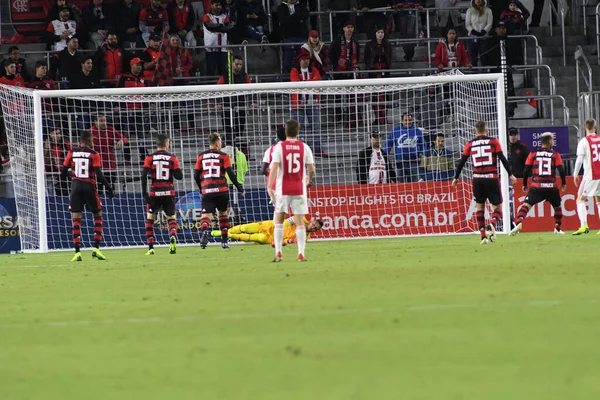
(588, 156)
(484, 152)
(268, 156)
(291, 160)
(209, 174)
(541, 165)
(83, 165)
(262, 232)
(162, 167)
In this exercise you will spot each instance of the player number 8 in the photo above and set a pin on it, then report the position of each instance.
(82, 168)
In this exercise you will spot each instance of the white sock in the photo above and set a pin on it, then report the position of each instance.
(278, 233)
(582, 212)
(301, 238)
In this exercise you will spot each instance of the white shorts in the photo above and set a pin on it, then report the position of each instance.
(589, 188)
(292, 204)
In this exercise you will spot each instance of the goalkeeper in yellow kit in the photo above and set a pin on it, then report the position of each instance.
(262, 232)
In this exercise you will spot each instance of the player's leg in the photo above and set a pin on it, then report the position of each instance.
(208, 208)
(169, 208)
(480, 199)
(76, 216)
(533, 197)
(553, 197)
(281, 208)
(582, 197)
(150, 217)
(300, 209)
(92, 202)
(223, 207)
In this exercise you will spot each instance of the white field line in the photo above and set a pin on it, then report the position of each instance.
(304, 314)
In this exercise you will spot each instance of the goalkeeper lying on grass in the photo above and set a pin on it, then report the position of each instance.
(262, 232)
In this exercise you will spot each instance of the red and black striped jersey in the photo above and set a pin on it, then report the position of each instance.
(483, 151)
(543, 168)
(162, 165)
(212, 165)
(83, 161)
(44, 83)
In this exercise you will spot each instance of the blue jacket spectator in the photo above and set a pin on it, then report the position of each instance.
(407, 144)
(437, 163)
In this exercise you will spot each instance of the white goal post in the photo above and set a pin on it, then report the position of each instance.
(337, 118)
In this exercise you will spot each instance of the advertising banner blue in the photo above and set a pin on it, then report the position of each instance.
(9, 226)
(531, 137)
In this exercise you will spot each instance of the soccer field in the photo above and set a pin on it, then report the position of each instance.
(419, 318)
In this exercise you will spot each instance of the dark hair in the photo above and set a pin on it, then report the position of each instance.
(12, 48)
(448, 31)
(9, 62)
(440, 135)
(40, 63)
(320, 223)
(236, 57)
(546, 139)
(99, 115)
(590, 123)
(161, 140)
(87, 58)
(215, 1)
(292, 127)
(109, 33)
(86, 137)
(480, 127)
(281, 133)
(213, 138)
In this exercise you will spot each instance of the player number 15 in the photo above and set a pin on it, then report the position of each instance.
(293, 162)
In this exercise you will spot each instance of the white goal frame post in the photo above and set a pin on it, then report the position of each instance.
(225, 90)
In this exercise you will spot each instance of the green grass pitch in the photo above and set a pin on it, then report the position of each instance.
(418, 318)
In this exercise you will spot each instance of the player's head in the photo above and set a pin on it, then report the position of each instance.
(292, 128)
(100, 121)
(590, 125)
(281, 134)
(481, 128)
(547, 140)
(314, 225)
(162, 141)
(214, 141)
(87, 139)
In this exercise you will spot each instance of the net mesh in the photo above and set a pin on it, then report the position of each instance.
(335, 121)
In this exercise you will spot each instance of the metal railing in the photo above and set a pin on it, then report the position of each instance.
(583, 68)
(550, 98)
(560, 13)
(588, 106)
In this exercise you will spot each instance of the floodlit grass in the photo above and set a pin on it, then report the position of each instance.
(423, 318)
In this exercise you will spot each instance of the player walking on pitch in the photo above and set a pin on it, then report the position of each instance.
(588, 156)
(162, 167)
(209, 175)
(84, 165)
(290, 161)
(484, 152)
(541, 165)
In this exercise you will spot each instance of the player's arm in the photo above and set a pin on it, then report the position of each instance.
(102, 179)
(177, 172)
(527, 171)
(144, 180)
(272, 176)
(581, 150)
(460, 166)
(561, 171)
(506, 164)
(65, 170)
(234, 179)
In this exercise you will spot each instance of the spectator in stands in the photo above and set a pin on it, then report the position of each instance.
(514, 19)
(96, 19)
(407, 144)
(216, 27)
(306, 107)
(59, 30)
(55, 152)
(134, 120)
(345, 52)
(66, 62)
(10, 75)
(494, 59)
(536, 16)
(150, 55)
(450, 53)
(106, 140)
(54, 12)
(317, 52)
(373, 19)
(181, 21)
(339, 18)
(134, 78)
(181, 59)
(292, 17)
(153, 20)
(41, 81)
(517, 153)
(406, 25)
(374, 165)
(438, 162)
(14, 54)
(479, 23)
(252, 20)
(448, 18)
(110, 61)
(86, 78)
(230, 9)
(236, 105)
(127, 24)
(378, 56)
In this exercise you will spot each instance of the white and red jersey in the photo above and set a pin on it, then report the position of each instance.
(58, 27)
(267, 158)
(293, 157)
(589, 149)
(212, 39)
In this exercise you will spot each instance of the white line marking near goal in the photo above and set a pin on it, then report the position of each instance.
(304, 314)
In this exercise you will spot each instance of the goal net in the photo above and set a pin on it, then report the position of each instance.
(422, 122)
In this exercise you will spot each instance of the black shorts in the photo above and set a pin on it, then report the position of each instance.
(84, 194)
(487, 189)
(167, 203)
(535, 196)
(215, 202)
